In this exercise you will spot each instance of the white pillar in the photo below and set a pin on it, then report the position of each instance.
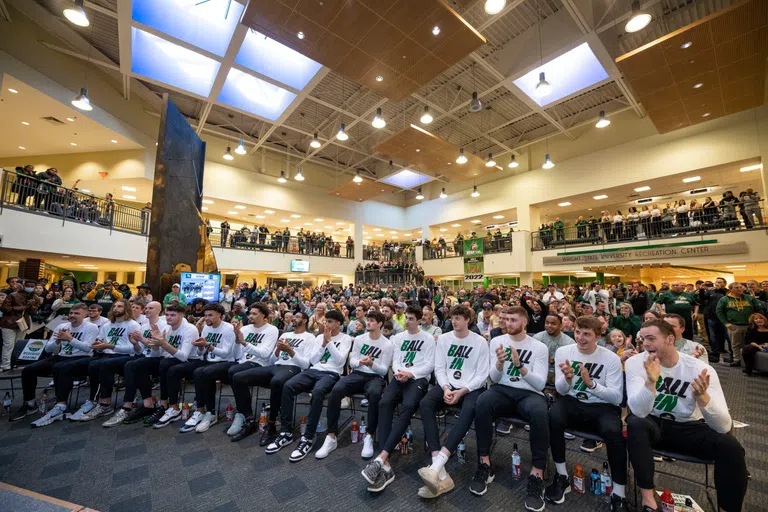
(358, 238)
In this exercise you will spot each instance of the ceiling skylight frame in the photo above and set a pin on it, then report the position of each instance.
(406, 179)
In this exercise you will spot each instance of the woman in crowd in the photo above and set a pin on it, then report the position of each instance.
(682, 210)
(645, 220)
(710, 211)
(618, 226)
(63, 304)
(143, 293)
(655, 220)
(755, 341)
(633, 220)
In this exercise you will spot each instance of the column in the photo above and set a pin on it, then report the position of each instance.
(357, 236)
(528, 218)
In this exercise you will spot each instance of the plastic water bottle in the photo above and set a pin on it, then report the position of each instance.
(363, 428)
(355, 433)
(7, 402)
(303, 425)
(595, 482)
(229, 413)
(409, 436)
(606, 482)
(185, 411)
(44, 403)
(461, 452)
(516, 473)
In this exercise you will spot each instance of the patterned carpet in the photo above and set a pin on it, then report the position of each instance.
(131, 468)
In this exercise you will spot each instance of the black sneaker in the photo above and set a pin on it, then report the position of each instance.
(24, 411)
(646, 508)
(589, 446)
(250, 427)
(534, 499)
(138, 414)
(382, 480)
(155, 417)
(619, 504)
(302, 450)
(483, 476)
(269, 435)
(284, 439)
(557, 490)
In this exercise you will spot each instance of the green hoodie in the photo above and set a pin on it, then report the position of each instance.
(731, 310)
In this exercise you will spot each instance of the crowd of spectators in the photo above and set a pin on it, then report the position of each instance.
(389, 251)
(389, 272)
(493, 241)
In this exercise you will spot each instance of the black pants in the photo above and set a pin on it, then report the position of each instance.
(137, 374)
(691, 438)
(646, 223)
(503, 401)
(314, 381)
(30, 373)
(205, 378)
(101, 373)
(408, 394)
(433, 402)
(171, 372)
(274, 377)
(748, 354)
(356, 382)
(64, 373)
(602, 419)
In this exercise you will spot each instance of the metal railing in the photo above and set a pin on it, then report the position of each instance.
(669, 225)
(276, 242)
(21, 192)
(389, 276)
(455, 249)
(404, 253)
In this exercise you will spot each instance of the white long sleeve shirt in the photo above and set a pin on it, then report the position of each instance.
(223, 340)
(303, 345)
(673, 399)
(100, 321)
(146, 332)
(379, 350)
(604, 369)
(116, 334)
(533, 354)
(414, 353)
(333, 357)
(461, 362)
(181, 339)
(80, 345)
(687, 347)
(259, 344)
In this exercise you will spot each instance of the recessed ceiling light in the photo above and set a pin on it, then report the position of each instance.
(393, 232)
(307, 223)
(691, 179)
(260, 217)
(698, 85)
(14, 91)
(435, 30)
(443, 230)
(564, 204)
(283, 221)
(129, 197)
(72, 121)
(455, 225)
(25, 123)
(494, 6)
(735, 266)
(269, 212)
(476, 221)
(377, 229)
(379, 78)
(73, 144)
(601, 196)
(232, 213)
(85, 190)
(340, 223)
(751, 168)
(705, 114)
(128, 189)
(22, 147)
(239, 207)
(297, 227)
(300, 35)
(295, 216)
(207, 201)
(642, 189)
(114, 141)
(319, 220)
(418, 150)
(498, 216)
(686, 45)
(406, 234)
(205, 208)
(379, 234)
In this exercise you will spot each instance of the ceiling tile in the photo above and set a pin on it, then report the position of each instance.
(322, 12)
(353, 22)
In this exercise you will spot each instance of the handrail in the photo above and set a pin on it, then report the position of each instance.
(378, 253)
(455, 248)
(389, 276)
(28, 193)
(276, 242)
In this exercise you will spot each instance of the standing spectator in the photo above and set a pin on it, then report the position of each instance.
(49, 181)
(645, 220)
(710, 211)
(146, 213)
(593, 225)
(734, 311)
(559, 226)
(458, 245)
(618, 226)
(728, 206)
(350, 247)
(743, 213)
(605, 226)
(551, 294)
(709, 297)
(224, 226)
(681, 303)
(581, 228)
(751, 203)
(109, 211)
(625, 320)
(633, 220)
(16, 306)
(286, 238)
(25, 184)
(226, 298)
(639, 298)
(683, 221)
(655, 221)
(143, 293)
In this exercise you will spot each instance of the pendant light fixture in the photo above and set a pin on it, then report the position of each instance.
(547, 163)
(443, 195)
(513, 163)
(494, 6)
(240, 149)
(426, 117)
(76, 14)
(490, 162)
(475, 193)
(342, 133)
(282, 179)
(462, 159)
(81, 101)
(315, 143)
(419, 195)
(378, 121)
(638, 20)
(603, 121)
(228, 154)
(543, 87)
(357, 178)
(299, 176)
(475, 105)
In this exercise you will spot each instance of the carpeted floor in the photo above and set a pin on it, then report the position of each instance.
(131, 468)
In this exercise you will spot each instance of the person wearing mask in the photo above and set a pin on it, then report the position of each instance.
(327, 363)
(679, 302)
(677, 401)
(70, 345)
(140, 366)
(684, 346)
(590, 379)
(734, 311)
(115, 347)
(461, 369)
(370, 358)
(518, 369)
(16, 306)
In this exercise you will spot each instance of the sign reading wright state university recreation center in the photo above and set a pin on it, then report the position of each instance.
(649, 253)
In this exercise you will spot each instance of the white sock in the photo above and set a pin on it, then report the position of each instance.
(438, 461)
(31, 403)
(618, 490)
(561, 469)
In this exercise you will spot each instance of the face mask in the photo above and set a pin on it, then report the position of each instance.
(29, 290)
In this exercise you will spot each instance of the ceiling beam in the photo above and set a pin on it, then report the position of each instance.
(108, 65)
(4, 12)
(98, 8)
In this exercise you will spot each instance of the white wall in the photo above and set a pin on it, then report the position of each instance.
(236, 259)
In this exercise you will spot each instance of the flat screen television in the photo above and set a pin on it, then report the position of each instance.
(299, 266)
(200, 286)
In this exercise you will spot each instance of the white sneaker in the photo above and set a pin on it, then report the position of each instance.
(237, 424)
(50, 384)
(329, 445)
(169, 417)
(208, 420)
(116, 418)
(84, 409)
(55, 414)
(367, 452)
(192, 422)
(569, 436)
(346, 402)
(364, 402)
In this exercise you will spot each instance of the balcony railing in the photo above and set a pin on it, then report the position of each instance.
(455, 249)
(673, 225)
(404, 253)
(276, 242)
(22, 192)
(389, 276)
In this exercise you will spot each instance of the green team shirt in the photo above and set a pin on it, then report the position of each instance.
(679, 303)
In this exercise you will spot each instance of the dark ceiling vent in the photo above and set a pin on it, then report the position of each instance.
(54, 121)
(699, 191)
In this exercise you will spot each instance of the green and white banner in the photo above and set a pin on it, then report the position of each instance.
(474, 269)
